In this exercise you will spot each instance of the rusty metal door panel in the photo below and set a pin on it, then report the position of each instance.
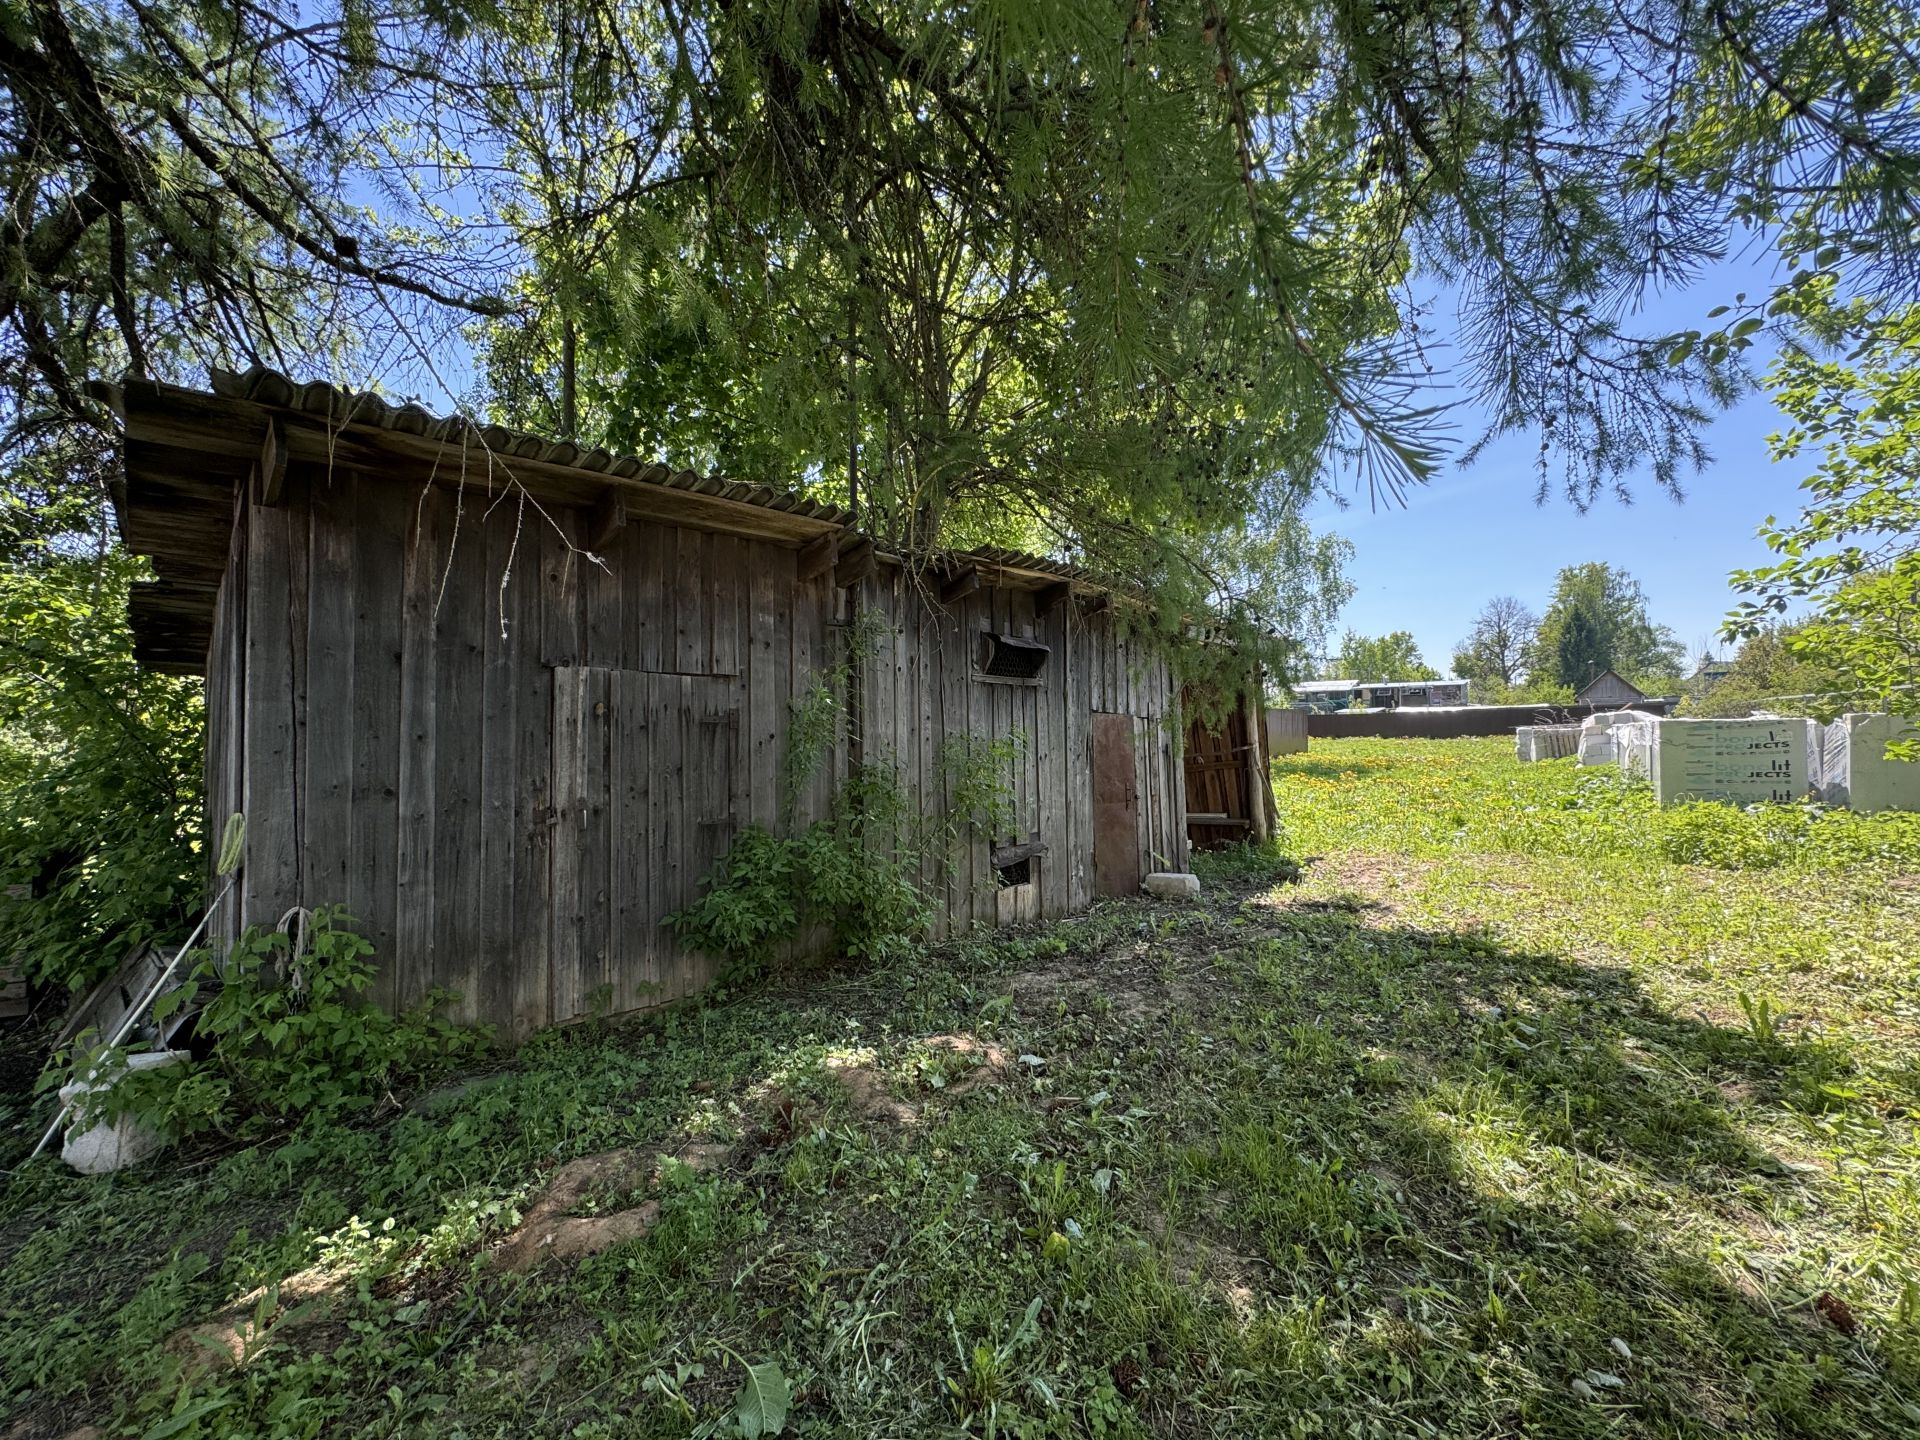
(1116, 806)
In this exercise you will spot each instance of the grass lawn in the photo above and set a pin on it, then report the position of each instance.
(1528, 1110)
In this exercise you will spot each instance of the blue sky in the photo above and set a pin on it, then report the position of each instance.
(1474, 532)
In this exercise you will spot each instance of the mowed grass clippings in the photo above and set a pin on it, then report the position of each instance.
(1524, 1108)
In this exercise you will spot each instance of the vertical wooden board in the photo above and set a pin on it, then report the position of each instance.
(568, 836)
(984, 728)
(535, 819)
(559, 586)
(216, 803)
(498, 965)
(712, 718)
(636, 912)
(1173, 731)
(926, 797)
(882, 744)
(1051, 766)
(769, 657)
(296, 507)
(666, 823)
(693, 654)
(602, 579)
(270, 795)
(597, 839)
(957, 725)
(1028, 703)
(459, 618)
(382, 513)
(726, 591)
(413, 958)
(638, 566)
(930, 808)
(808, 636)
(1080, 763)
(1143, 790)
(326, 851)
(951, 724)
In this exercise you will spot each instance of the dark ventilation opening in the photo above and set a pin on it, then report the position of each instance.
(1013, 864)
(1009, 657)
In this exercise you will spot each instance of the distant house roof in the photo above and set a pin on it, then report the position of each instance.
(1325, 687)
(187, 453)
(1607, 687)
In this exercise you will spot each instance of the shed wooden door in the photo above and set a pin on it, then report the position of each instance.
(1219, 797)
(645, 770)
(1116, 806)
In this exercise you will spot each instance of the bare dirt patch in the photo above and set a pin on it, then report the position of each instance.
(551, 1232)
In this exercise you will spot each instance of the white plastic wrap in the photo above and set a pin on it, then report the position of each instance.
(1855, 770)
(1600, 735)
(1545, 742)
(1740, 761)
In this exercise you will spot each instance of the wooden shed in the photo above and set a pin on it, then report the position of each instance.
(508, 700)
(1608, 688)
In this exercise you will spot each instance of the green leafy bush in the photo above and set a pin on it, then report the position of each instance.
(841, 873)
(99, 773)
(293, 1039)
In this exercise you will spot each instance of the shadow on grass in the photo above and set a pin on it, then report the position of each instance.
(1265, 1168)
(1521, 1196)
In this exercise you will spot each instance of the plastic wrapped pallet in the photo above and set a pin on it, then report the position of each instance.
(1633, 744)
(1743, 762)
(1600, 735)
(1596, 740)
(1545, 742)
(1855, 770)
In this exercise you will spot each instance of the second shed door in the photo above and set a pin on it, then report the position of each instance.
(645, 768)
(1116, 806)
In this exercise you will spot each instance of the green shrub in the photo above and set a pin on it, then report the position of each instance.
(99, 774)
(769, 890)
(293, 1039)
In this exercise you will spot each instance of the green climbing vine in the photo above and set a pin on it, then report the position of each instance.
(856, 873)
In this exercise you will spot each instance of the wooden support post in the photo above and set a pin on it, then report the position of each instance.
(959, 585)
(270, 470)
(855, 564)
(609, 515)
(1047, 600)
(1260, 806)
(816, 557)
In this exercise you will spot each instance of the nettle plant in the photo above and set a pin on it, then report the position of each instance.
(855, 873)
(289, 1034)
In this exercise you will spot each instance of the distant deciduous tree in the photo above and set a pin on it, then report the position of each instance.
(1379, 657)
(1495, 653)
(1769, 674)
(1598, 621)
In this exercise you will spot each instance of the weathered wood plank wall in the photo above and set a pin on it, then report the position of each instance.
(927, 698)
(511, 759)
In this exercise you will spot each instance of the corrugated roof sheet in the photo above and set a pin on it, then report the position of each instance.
(341, 406)
(346, 407)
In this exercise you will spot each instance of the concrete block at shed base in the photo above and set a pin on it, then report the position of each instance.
(112, 1145)
(1172, 885)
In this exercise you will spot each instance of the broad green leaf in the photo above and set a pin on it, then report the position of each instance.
(761, 1408)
